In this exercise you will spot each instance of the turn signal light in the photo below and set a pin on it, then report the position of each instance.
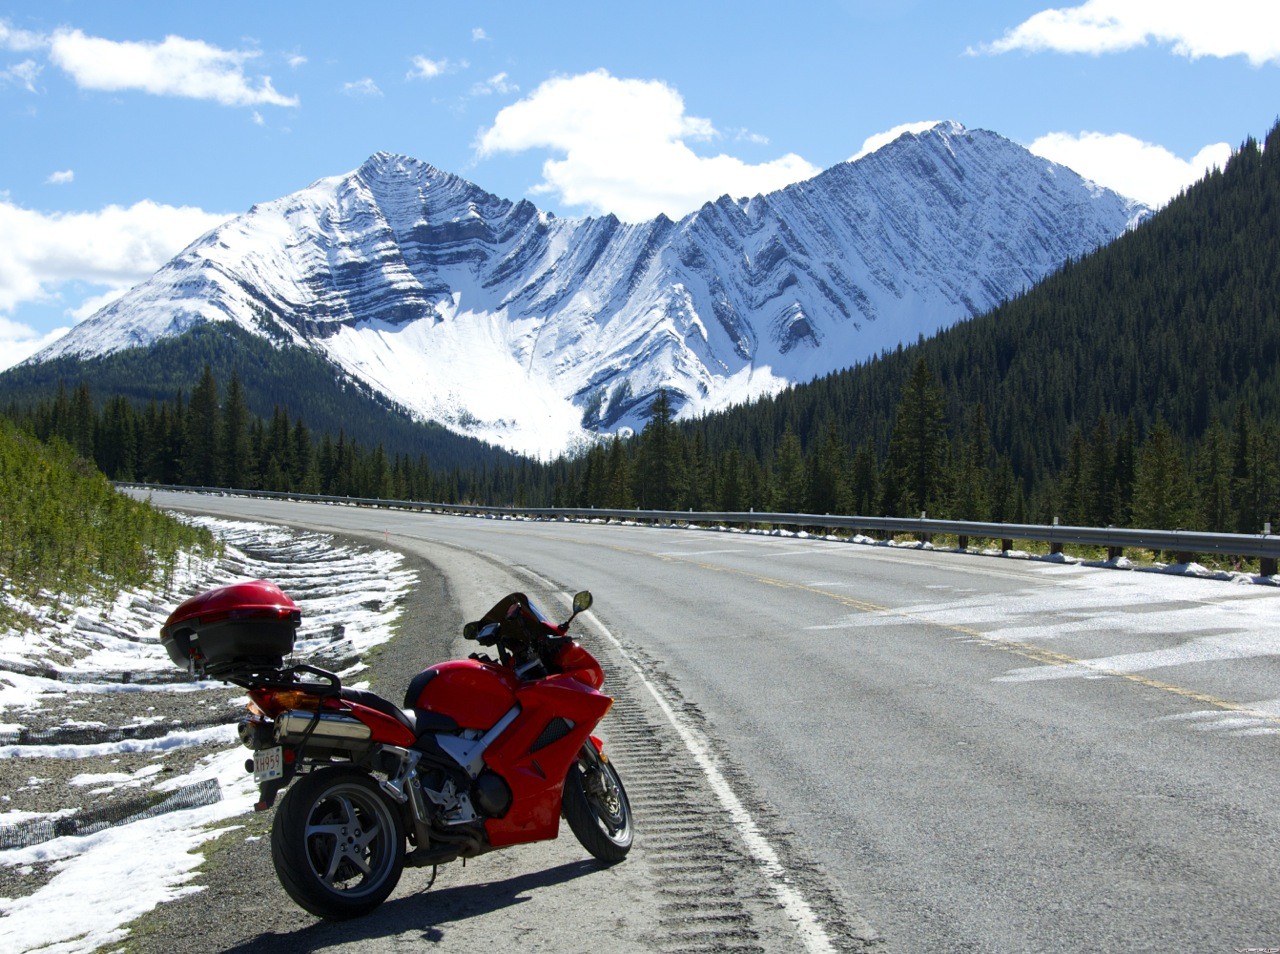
(287, 699)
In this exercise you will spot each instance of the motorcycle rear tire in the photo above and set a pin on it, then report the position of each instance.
(337, 844)
(595, 805)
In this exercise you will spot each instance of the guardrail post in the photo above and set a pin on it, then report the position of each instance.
(963, 543)
(1006, 545)
(1268, 567)
(1114, 553)
(1054, 547)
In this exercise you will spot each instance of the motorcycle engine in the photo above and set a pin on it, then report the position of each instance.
(493, 796)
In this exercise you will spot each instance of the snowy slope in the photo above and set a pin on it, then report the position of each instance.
(528, 330)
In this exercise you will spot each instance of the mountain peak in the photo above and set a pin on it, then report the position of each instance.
(529, 331)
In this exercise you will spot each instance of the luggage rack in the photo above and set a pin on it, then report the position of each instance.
(257, 675)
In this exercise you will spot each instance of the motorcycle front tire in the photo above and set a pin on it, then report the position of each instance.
(338, 845)
(596, 807)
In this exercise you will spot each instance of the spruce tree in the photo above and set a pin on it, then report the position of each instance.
(914, 465)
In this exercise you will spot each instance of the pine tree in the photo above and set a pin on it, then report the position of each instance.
(829, 490)
(790, 482)
(864, 481)
(1160, 500)
(660, 477)
(1213, 479)
(618, 477)
(914, 465)
(203, 422)
(235, 458)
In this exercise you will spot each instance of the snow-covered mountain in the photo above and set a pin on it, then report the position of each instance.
(529, 330)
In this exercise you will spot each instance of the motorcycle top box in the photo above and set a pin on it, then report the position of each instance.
(245, 624)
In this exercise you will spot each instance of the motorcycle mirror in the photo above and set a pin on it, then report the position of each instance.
(581, 602)
(471, 631)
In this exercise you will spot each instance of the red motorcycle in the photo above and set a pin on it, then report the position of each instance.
(484, 754)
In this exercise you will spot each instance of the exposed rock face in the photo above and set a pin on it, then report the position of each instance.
(523, 328)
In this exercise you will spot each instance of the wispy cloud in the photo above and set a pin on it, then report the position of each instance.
(23, 74)
(624, 148)
(882, 139)
(362, 87)
(296, 60)
(426, 68)
(64, 177)
(478, 34)
(1137, 169)
(1192, 28)
(21, 41)
(498, 84)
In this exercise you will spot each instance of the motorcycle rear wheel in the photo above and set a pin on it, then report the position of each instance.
(595, 805)
(337, 844)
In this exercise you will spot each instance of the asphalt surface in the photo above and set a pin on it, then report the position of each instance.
(916, 728)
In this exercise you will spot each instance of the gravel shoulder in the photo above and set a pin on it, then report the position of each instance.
(688, 885)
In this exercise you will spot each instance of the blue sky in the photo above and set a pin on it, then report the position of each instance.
(129, 129)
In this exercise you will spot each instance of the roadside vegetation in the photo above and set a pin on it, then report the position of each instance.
(66, 533)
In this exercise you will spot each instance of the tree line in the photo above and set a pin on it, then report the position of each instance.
(209, 438)
(1114, 473)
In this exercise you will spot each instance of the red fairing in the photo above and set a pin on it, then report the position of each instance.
(575, 661)
(385, 729)
(474, 694)
(536, 776)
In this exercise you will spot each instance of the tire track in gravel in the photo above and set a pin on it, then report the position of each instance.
(714, 896)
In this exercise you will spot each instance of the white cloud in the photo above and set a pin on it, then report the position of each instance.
(478, 34)
(19, 342)
(295, 60)
(495, 84)
(24, 74)
(21, 41)
(362, 87)
(62, 177)
(257, 119)
(1137, 169)
(1193, 28)
(880, 140)
(115, 247)
(426, 68)
(92, 304)
(172, 67)
(624, 144)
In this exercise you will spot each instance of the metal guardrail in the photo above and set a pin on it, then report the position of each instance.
(1265, 546)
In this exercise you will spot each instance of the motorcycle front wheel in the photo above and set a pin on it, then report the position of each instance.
(596, 807)
(337, 844)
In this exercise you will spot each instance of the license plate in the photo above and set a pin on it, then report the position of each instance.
(268, 764)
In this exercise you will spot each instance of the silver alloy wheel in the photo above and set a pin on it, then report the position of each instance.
(349, 839)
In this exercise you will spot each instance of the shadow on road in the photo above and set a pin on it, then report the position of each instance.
(422, 917)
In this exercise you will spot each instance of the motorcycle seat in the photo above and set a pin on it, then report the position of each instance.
(418, 721)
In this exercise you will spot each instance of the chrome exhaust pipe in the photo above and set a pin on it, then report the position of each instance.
(293, 725)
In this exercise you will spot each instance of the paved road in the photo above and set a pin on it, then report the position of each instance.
(982, 754)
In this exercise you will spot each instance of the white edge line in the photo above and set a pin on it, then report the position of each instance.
(811, 932)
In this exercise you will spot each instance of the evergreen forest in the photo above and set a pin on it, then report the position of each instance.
(68, 533)
(1138, 386)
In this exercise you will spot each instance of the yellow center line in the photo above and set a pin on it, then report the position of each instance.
(1035, 653)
